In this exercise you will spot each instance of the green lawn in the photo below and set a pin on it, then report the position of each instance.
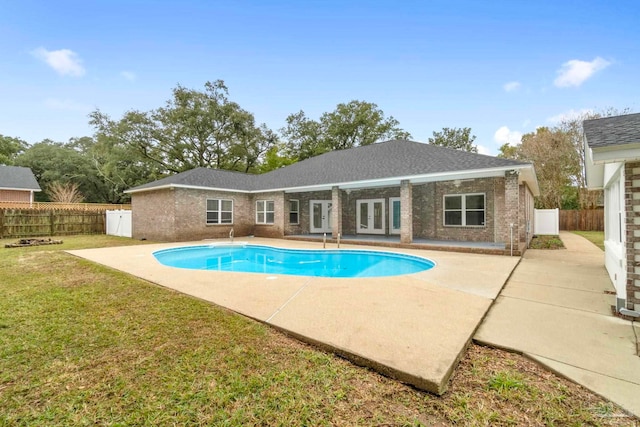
(81, 344)
(595, 237)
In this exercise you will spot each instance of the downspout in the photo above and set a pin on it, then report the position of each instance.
(511, 244)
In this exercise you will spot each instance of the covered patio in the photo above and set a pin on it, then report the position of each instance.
(394, 241)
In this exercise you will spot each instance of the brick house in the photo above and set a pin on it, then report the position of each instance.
(398, 189)
(612, 153)
(17, 184)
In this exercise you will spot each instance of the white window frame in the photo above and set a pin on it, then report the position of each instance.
(219, 211)
(463, 209)
(297, 211)
(264, 210)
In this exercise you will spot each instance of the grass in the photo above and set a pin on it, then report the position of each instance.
(546, 242)
(81, 344)
(595, 237)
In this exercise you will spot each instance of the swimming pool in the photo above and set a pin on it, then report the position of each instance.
(297, 262)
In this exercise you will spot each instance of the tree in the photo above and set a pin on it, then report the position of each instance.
(54, 161)
(572, 126)
(194, 129)
(353, 124)
(304, 137)
(64, 193)
(458, 139)
(556, 162)
(359, 123)
(10, 148)
(508, 151)
(118, 165)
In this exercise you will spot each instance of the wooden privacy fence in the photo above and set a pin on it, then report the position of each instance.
(95, 207)
(582, 220)
(15, 223)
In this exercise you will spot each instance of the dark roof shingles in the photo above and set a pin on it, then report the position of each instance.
(18, 177)
(397, 158)
(612, 131)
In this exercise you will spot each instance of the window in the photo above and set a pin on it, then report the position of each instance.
(294, 211)
(464, 210)
(219, 211)
(264, 212)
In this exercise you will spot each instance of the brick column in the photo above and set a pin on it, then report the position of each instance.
(632, 214)
(336, 212)
(511, 209)
(406, 212)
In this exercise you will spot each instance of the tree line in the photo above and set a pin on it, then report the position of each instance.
(558, 154)
(207, 129)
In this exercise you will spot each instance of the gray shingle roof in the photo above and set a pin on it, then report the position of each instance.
(612, 131)
(397, 158)
(205, 177)
(17, 177)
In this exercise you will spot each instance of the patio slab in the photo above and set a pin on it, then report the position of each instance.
(556, 309)
(412, 327)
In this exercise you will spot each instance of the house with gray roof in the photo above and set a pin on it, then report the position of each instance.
(403, 190)
(612, 154)
(17, 184)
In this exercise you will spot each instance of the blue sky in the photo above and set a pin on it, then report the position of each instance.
(501, 68)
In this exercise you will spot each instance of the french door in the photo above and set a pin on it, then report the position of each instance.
(394, 215)
(320, 211)
(370, 216)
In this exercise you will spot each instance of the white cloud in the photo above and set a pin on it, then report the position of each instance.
(483, 150)
(65, 105)
(63, 61)
(506, 136)
(511, 86)
(576, 72)
(129, 75)
(569, 115)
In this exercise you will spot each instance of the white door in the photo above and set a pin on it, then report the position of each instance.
(370, 216)
(394, 215)
(320, 212)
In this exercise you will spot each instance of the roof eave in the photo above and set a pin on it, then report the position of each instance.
(20, 189)
(191, 187)
(615, 153)
(418, 179)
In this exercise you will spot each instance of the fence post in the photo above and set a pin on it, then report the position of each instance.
(52, 222)
(1, 223)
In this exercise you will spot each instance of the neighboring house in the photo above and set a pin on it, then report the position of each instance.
(612, 152)
(410, 189)
(17, 184)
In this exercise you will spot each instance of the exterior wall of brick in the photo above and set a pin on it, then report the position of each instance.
(15, 196)
(512, 209)
(349, 204)
(153, 215)
(428, 211)
(632, 214)
(406, 212)
(526, 224)
(304, 223)
(191, 215)
(336, 212)
(275, 230)
(180, 215)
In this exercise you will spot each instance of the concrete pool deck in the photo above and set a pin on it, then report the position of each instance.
(414, 327)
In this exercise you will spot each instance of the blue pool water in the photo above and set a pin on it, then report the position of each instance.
(318, 263)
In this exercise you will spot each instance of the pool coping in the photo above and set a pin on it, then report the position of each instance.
(414, 327)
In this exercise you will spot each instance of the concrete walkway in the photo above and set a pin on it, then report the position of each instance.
(413, 327)
(556, 309)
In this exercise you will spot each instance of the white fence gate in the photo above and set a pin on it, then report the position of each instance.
(546, 221)
(119, 223)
